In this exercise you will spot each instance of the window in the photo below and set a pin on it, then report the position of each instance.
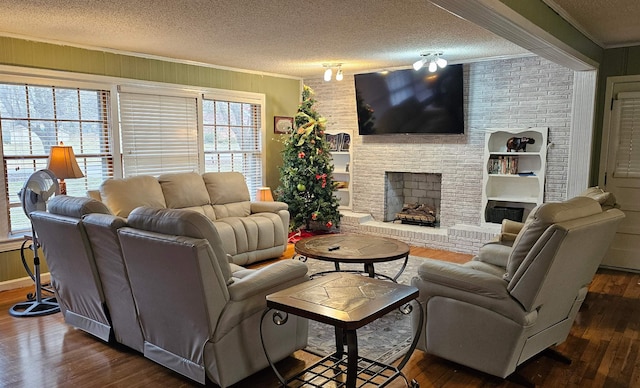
(232, 133)
(159, 133)
(161, 128)
(35, 117)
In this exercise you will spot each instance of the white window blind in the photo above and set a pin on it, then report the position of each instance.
(232, 133)
(159, 133)
(628, 151)
(33, 118)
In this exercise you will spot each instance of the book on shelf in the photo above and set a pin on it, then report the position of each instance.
(339, 142)
(504, 165)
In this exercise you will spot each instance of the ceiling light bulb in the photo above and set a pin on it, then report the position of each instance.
(433, 66)
(441, 62)
(419, 63)
(339, 75)
(327, 74)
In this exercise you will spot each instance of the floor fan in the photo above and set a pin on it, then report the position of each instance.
(34, 195)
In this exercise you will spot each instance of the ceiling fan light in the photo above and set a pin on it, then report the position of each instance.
(418, 64)
(441, 62)
(433, 66)
(339, 75)
(327, 74)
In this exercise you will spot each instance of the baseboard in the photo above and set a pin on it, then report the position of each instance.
(22, 282)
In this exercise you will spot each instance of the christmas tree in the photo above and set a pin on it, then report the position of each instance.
(306, 175)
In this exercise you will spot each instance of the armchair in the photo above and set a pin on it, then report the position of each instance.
(199, 317)
(493, 315)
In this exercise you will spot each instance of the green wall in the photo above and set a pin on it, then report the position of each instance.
(282, 93)
(546, 18)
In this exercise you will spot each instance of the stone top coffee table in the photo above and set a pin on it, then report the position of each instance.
(347, 302)
(348, 248)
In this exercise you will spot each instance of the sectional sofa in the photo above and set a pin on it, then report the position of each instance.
(250, 231)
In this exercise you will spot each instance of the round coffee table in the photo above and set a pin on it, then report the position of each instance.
(345, 248)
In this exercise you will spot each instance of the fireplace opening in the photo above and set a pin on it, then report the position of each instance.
(413, 198)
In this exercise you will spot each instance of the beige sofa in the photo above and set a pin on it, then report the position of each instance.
(160, 283)
(250, 231)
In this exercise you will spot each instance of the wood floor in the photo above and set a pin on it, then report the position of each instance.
(604, 346)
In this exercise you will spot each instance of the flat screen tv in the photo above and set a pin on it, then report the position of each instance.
(409, 101)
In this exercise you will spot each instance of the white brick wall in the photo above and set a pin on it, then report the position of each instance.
(523, 92)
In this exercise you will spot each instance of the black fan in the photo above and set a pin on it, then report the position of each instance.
(34, 195)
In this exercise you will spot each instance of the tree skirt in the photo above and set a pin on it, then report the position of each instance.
(386, 339)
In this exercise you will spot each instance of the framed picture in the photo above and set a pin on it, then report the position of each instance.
(282, 124)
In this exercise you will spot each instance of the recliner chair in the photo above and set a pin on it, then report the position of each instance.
(74, 276)
(199, 317)
(493, 315)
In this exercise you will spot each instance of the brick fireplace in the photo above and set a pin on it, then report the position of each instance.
(411, 188)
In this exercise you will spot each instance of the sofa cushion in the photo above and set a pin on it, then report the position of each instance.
(75, 206)
(228, 194)
(179, 222)
(183, 190)
(124, 195)
(540, 218)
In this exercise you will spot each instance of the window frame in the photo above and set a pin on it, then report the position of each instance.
(16, 74)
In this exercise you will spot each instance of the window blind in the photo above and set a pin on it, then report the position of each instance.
(232, 133)
(159, 133)
(628, 140)
(33, 118)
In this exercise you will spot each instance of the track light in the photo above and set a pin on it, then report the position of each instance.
(328, 73)
(431, 60)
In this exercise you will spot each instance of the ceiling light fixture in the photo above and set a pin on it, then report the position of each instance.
(329, 71)
(431, 60)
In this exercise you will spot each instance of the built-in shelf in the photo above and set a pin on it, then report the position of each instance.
(513, 182)
(340, 142)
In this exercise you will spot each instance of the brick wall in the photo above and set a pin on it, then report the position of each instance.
(513, 93)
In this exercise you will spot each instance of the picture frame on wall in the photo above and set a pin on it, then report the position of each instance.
(282, 124)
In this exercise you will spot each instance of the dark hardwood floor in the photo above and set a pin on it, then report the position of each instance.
(604, 345)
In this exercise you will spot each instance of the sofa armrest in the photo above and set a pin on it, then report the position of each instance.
(268, 207)
(509, 231)
(463, 279)
(494, 253)
(263, 280)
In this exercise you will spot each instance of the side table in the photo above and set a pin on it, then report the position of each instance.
(347, 302)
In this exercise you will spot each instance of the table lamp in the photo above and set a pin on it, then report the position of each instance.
(264, 194)
(62, 162)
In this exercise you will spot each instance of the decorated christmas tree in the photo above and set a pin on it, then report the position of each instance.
(306, 174)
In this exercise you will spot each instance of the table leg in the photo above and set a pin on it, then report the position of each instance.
(368, 268)
(352, 358)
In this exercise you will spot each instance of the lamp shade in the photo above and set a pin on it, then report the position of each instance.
(264, 194)
(62, 162)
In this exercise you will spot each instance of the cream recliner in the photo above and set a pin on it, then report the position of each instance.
(74, 275)
(198, 316)
(492, 315)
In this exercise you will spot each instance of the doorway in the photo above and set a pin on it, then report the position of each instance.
(620, 168)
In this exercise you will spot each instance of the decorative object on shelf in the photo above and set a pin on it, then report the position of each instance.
(62, 162)
(264, 194)
(519, 143)
(306, 174)
(282, 124)
(432, 61)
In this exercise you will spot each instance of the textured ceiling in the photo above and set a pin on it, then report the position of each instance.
(609, 23)
(287, 37)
